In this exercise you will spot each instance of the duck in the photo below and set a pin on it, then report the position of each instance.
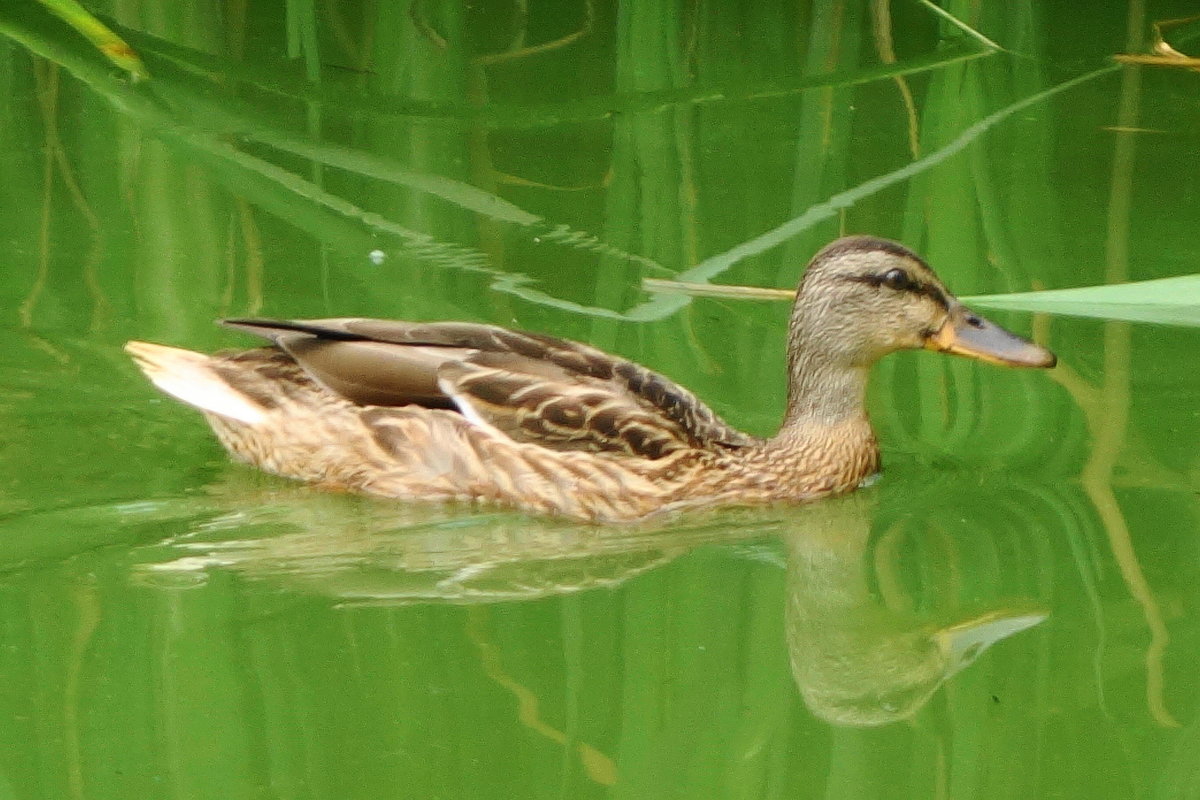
(462, 411)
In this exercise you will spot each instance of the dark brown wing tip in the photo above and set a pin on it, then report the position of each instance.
(273, 328)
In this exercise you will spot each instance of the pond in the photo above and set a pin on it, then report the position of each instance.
(1012, 611)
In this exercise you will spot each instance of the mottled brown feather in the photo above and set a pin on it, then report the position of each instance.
(603, 403)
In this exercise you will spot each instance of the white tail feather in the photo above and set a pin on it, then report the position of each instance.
(188, 376)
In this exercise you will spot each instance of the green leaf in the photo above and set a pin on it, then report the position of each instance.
(1168, 301)
(114, 48)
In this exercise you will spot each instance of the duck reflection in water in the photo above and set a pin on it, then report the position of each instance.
(858, 658)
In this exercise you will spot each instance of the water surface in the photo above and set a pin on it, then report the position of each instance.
(1011, 612)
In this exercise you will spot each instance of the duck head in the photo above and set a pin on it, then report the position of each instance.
(863, 297)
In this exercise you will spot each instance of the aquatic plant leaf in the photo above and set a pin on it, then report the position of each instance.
(1162, 54)
(501, 116)
(114, 48)
(1167, 301)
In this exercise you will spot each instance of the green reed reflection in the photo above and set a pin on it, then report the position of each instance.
(623, 598)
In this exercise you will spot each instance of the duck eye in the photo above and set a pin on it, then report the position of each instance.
(896, 279)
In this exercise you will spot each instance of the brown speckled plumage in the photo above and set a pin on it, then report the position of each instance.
(459, 411)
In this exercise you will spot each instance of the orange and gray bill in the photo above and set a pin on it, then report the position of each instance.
(965, 333)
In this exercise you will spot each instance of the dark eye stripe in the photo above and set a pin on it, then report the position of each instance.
(879, 280)
(935, 294)
(932, 292)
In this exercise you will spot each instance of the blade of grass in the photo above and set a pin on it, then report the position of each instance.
(962, 26)
(1167, 301)
(726, 291)
(660, 307)
(221, 114)
(496, 116)
(114, 48)
(295, 199)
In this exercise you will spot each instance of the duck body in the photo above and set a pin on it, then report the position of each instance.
(469, 412)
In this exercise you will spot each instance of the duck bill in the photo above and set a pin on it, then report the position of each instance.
(965, 333)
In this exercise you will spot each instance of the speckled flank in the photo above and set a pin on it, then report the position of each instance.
(431, 454)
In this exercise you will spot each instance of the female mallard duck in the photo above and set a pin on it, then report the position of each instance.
(461, 411)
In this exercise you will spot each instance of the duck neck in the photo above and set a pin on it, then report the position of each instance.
(822, 394)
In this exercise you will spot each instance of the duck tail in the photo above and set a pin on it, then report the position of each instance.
(191, 377)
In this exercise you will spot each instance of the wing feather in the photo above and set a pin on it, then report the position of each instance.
(537, 389)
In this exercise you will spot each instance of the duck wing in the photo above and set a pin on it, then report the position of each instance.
(533, 388)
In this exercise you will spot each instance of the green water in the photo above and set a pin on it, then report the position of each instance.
(175, 626)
